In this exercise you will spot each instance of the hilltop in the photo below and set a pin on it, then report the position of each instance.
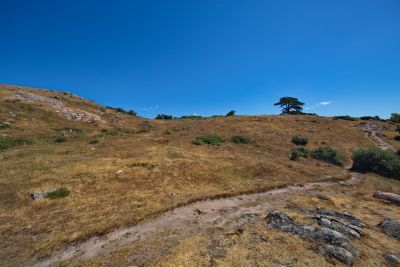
(120, 170)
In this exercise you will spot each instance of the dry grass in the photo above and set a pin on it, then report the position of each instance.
(101, 199)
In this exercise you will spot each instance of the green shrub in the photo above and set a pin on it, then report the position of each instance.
(241, 139)
(299, 140)
(346, 117)
(60, 139)
(59, 193)
(4, 125)
(375, 118)
(164, 117)
(230, 113)
(193, 117)
(129, 112)
(95, 141)
(210, 139)
(395, 117)
(9, 142)
(299, 152)
(384, 162)
(327, 154)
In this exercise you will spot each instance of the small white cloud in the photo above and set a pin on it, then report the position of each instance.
(149, 108)
(325, 103)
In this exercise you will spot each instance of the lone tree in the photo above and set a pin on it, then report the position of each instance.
(290, 105)
(230, 113)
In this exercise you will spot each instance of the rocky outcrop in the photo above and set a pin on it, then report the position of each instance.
(390, 228)
(390, 197)
(59, 107)
(333, 233)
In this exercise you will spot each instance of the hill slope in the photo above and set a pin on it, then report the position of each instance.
(121, 169)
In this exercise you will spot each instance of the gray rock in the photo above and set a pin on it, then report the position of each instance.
(344, 216)
(42, 194)
(339, 226)
(337, 252)
(390, 228)
(388, 196)
(282, 222)
(392, 259)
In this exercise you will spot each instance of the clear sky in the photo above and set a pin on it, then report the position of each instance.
(208, 56)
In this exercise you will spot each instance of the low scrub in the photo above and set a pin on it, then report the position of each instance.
(192, 117)
(383, 162)
(60, 139)
(241, 139)
(9, 142)
(297, 153)
(397, 137)
(210, 139)
(230, 113)
(299, 140)
(129, 112)
(164, 117)
(4, 125)
(327, 154)
(346, 117)
(59, 193)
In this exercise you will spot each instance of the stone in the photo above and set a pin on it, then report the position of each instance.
(282, 222)
(391, 197)
(42, 194)
(392, 259)
(337, 252)
(390, 228)
(339, 226)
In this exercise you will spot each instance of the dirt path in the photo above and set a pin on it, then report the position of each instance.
(199, 216)
(371, 131)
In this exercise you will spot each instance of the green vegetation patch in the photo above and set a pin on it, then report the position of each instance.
(210, 139)
(60, 139)
(299, 140)
(327, 154)
(300, 152)
(241, 139)
(59, 193)
(346, 117)
(4, 125)
(9, 142)
(383, 162)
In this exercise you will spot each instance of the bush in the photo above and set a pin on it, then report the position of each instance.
(60, 139)
(210, 139)
(346, 117)
(395, 117)
(4, 125)
(299, 140)
(9, 142)
(375, 118)
(327, 154)
(193, 117)
(164, 117)
(95, 141)
(384, 162)
(230, 113)
(299, 152)
(59, 193)
(397, 137)
(129, 112)
(241, 139)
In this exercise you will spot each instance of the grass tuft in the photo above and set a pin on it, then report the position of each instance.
(241, 139)
(210, 139)
(59, 193)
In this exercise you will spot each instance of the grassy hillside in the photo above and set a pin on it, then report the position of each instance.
(121, 169)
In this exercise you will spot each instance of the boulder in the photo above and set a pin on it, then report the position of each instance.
(392, 259)
(337, 252)
(42, 194)
(390, 228)
(391, 197)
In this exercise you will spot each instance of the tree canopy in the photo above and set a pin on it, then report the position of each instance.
(290, 105)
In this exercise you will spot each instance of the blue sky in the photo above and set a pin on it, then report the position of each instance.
(207, 57)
